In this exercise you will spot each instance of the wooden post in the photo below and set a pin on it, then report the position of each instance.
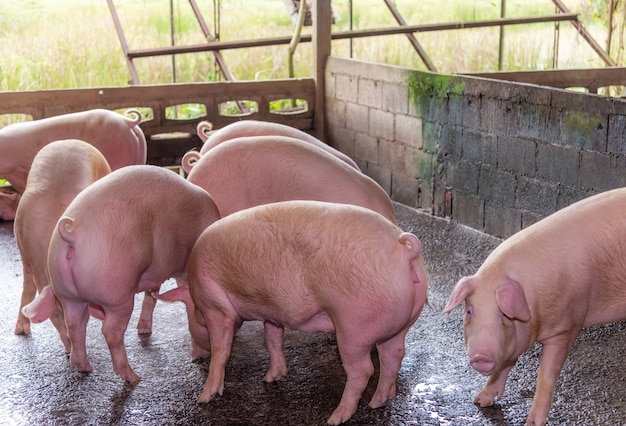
(321, 52)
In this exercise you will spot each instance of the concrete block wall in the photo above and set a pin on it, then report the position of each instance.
(493, 155)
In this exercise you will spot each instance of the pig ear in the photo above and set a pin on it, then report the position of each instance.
(512, 301)
(462, 289)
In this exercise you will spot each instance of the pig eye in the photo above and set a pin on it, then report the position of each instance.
(469, 312)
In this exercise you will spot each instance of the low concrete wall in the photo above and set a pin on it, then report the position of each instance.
(493, 155)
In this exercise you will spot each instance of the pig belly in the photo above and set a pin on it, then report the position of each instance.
(319, 322)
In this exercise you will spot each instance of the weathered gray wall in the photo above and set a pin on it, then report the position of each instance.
(493, 155)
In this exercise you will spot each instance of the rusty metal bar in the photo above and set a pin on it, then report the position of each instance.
(458, 25)
(221, 63)
(208, 36)
(416, 45)
(120, 34)
(585, 34)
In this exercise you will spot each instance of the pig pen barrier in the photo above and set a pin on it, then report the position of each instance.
(494, 155)
(170, 137)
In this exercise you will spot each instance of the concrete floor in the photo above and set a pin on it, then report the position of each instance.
(436, 386)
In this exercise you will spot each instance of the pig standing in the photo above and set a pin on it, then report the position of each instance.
(126, 233)
(58, 173)
(545, 283)
(254, 128)
(248, 171)
(119, 138)
(314, 267)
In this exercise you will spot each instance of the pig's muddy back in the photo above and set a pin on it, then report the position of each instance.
(435, 385)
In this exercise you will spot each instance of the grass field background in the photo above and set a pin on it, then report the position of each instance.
(50, 44)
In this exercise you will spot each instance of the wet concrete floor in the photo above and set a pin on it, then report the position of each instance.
(436, 386)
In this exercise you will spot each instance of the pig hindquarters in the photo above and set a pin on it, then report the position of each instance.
(126, 233)
(250, 171)
(59, 171)
(546, 283)
(118, 138)
(310, 266)
(247, 128)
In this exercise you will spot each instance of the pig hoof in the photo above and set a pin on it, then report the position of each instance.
(202, 399)
(484, 400)
(379, 402)
(131, 377)
(337, 419)
(144, 329)
(22, 328)
(272, 376)
(83, 367)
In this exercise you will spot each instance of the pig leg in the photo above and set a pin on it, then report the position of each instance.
(144, 325)
(553, 356)
(494, 388)
(76, 317)
(58, 320)
(29, 291)
(390, 355)
(113, 328)
(274, 338)
(357, 363)
(222, 327)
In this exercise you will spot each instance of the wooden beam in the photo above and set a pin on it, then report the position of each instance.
(322, 18)
(591, 79)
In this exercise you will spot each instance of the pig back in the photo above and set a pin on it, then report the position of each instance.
(59, 171)
(65, 164)
(263, 128)
(250, 171)
(288, 261)
(140, 215)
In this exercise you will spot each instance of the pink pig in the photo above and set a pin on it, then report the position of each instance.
(545, 283)
(58, 173)
(254, 128)
(249, 171)
(124, 234)
(119, 138)
(314, 267)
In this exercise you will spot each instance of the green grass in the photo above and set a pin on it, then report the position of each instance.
(50, 44)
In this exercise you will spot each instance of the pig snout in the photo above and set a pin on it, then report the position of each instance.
(484, 364)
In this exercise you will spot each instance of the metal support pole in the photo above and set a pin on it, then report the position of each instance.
(416, 45)
(134, 77)
(585, 34)
(501, 44)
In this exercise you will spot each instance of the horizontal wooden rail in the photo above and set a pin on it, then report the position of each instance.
(246, 44)
(591, 79)
(158, 98)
